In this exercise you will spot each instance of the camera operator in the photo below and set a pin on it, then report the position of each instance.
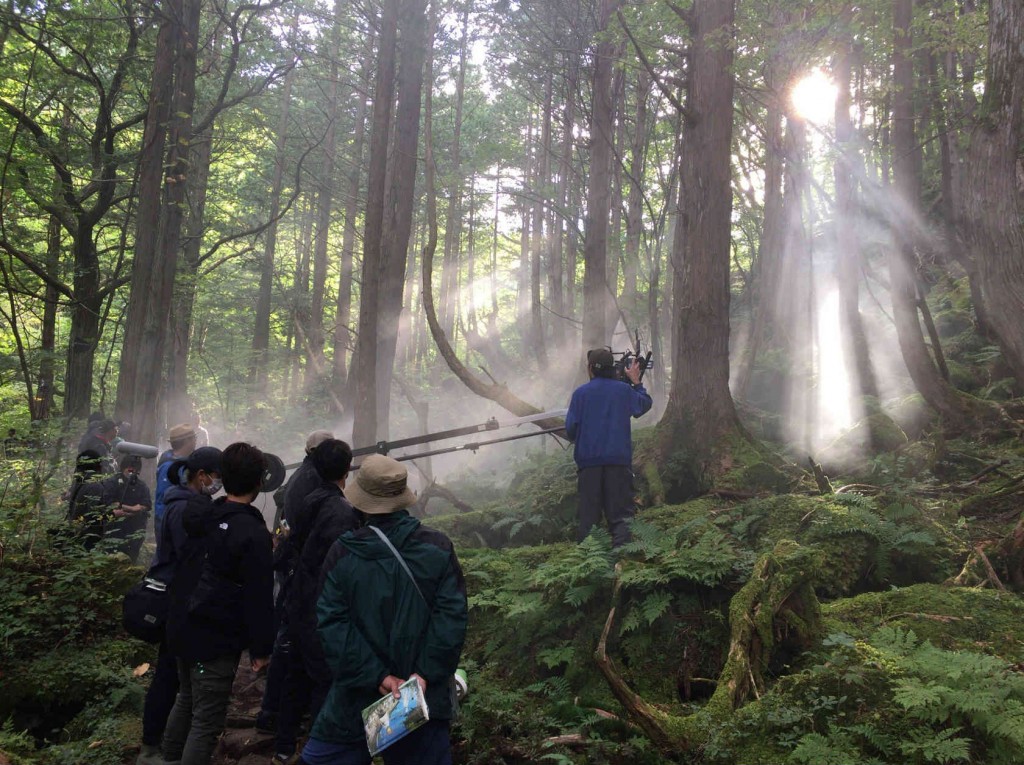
(598, 423)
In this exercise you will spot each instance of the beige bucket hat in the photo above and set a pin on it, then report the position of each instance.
(380, 486)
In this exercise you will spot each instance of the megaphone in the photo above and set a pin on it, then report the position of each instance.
(274, 474)
(139, 450)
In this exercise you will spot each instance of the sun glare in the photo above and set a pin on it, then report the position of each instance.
(814, 98)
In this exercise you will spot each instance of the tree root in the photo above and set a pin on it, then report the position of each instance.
(776, 605)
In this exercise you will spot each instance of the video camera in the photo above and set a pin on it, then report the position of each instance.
(628, 358)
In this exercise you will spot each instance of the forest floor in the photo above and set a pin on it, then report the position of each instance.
(767, 624)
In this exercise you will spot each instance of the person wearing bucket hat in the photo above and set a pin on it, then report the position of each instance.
(183, 443)
(383, 620)
(193, 482)
(598, 424)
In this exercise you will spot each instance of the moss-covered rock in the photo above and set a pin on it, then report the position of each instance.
(954, 618)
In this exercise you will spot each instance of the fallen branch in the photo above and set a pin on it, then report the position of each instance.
(991, 572)
(437, 490)
(859, 488)
(649, 718)
(731, 494)
(942, 618)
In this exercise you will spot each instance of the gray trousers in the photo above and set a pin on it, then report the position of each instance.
(200, 710)
(606, 490)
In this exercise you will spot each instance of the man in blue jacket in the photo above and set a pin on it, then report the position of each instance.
(598, 424)
(386, 615)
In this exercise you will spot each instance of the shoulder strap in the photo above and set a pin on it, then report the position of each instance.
(401, 560)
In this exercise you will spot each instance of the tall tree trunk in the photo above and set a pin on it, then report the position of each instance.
(992, 218)
(453, 223)
(541, 183)
(562, 275)
(180, 403)
(139, 389)
(635, 201)
(902, 256)
(343, 315)
(414, 29)
(700, 413)
(364, 370)
(261, 331)
(316, 363)
(847, 241)
(595, 247)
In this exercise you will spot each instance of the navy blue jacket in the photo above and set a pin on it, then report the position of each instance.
(598, 421)
(222, 596)
(171, 536)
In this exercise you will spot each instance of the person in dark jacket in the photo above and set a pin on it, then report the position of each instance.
(329, 515)
(221, 603)
(84, 509)
(290, 536)
(201, 471)
(99, 438)
(377, 630)
(598, 422)
(126, 502)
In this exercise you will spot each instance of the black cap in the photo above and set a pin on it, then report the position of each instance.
(600, 358)
(204, 458)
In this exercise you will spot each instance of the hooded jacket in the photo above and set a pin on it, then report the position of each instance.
(171, 537)
(222, 597)
(373, 623)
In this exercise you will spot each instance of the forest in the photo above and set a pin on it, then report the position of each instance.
(394, 217)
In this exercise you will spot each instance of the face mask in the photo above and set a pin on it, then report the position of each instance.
(213, 488)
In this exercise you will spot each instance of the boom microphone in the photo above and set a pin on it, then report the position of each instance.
(139, 450)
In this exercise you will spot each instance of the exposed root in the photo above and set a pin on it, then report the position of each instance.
(777, 605)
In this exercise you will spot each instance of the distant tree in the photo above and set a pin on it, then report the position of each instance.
(597, 293)
(68, 118)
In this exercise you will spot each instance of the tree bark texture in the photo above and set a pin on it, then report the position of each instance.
(992, 204)
(902, 256)
(179, 405)
(414, 32)
(162, 185)
(700, 408)
(363, 378)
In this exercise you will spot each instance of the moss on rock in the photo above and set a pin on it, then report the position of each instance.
(954, 618)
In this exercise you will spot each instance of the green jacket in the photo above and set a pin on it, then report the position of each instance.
(373, 623)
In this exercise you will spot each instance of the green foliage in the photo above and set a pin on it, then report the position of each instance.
(66, 594)
(892, 698)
